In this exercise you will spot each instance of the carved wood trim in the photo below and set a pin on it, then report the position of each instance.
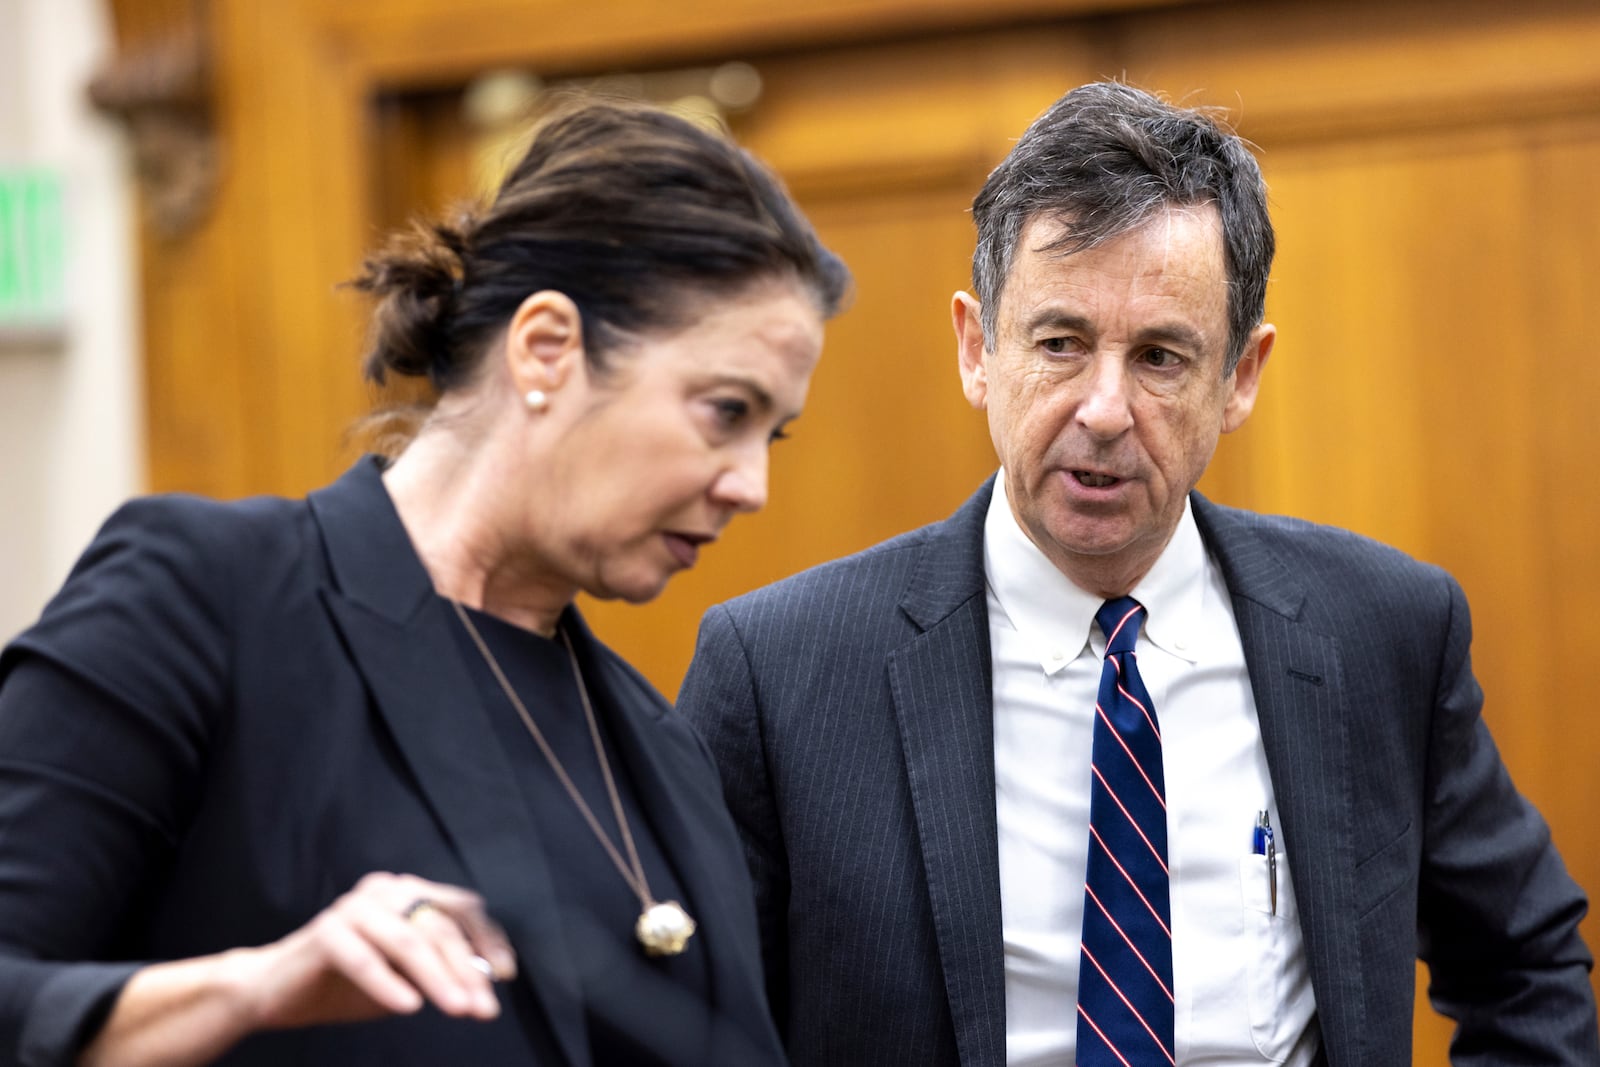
(159, 85)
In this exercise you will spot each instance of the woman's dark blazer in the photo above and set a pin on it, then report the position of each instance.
(274, 705)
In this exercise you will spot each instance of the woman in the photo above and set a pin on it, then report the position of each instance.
(234, 718)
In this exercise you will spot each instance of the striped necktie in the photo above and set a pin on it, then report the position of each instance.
(1125, 1006)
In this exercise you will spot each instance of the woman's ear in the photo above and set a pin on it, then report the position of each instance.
(544, 343)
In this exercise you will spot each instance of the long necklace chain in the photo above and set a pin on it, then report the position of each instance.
(664, 928)
(632, 871)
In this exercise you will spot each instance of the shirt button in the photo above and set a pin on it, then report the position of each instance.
(1180, 644)
(1056, 655)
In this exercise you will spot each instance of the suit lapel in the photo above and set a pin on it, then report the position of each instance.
(399, 638)
(1297, 677)
(940, 684)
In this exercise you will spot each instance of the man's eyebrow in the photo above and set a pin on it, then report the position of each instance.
(1179, 333)
(1052, 319)
(1056, 319)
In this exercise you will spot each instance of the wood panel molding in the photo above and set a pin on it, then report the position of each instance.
(407, 43)
(1304, 72)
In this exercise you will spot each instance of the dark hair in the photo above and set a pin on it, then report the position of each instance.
(624, 208)
(1103, 160)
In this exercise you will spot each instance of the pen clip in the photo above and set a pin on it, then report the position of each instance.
(1266, 845)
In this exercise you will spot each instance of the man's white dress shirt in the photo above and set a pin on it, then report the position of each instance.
(1240, 984)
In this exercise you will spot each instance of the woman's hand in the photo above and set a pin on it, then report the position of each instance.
(388, 946)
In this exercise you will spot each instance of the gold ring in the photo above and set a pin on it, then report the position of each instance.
(416, 907)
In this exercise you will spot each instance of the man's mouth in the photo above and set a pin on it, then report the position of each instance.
(1095, 480)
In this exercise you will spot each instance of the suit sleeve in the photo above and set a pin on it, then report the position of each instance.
(1498, 913)
(104, 713)
(719, 697)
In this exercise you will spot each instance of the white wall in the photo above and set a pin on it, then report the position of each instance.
(70, 435)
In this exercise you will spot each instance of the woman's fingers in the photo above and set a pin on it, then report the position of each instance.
(420, 927)
(432, 950)
(388, 946)
(365, 966)
(488, 942)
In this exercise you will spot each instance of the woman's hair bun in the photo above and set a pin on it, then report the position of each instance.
(416, 278)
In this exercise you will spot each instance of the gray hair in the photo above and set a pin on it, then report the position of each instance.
(1103, 161)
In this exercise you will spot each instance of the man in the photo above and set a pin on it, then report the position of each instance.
(1096, 771)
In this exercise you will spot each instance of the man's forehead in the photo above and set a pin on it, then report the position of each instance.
(1055, 233)
(1173, 244)
(1174, 255)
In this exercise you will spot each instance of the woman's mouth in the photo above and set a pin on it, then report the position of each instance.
(685, 548)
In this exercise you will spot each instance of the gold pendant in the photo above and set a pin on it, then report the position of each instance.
(664, 929)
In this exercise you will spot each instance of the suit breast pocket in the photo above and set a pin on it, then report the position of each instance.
(1279, 984)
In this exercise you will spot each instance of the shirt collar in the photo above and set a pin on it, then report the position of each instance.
(1056, 617)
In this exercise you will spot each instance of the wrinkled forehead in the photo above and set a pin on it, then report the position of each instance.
(1063, 233)
(1176, 238)
(1172, 262)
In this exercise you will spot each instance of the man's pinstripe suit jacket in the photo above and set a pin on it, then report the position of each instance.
(849, 708)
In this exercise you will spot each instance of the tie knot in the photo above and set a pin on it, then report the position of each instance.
(1119, 620)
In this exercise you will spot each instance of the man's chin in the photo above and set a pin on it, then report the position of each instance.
(1090, 536)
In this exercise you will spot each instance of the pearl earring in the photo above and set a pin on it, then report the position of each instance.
(537, 401)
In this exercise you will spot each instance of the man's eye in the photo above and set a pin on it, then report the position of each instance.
(730, 411)
(1055, 345)
(1160, 357)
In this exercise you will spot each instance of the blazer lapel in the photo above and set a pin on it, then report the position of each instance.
(398, 635)
(663, 774)
(1297, 677)
(940, 681)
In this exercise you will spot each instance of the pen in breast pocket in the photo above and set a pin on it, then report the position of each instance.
(1266, 845)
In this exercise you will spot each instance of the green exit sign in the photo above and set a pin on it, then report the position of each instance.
(32, 251)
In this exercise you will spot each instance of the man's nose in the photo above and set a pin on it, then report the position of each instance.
(1106, 408)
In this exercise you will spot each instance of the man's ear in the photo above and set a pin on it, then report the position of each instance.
(1247, 377)
(966, 317)
(544, 342)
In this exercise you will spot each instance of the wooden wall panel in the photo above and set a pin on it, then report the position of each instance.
(1317, 70)
(1428, 290)
(194, 390)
